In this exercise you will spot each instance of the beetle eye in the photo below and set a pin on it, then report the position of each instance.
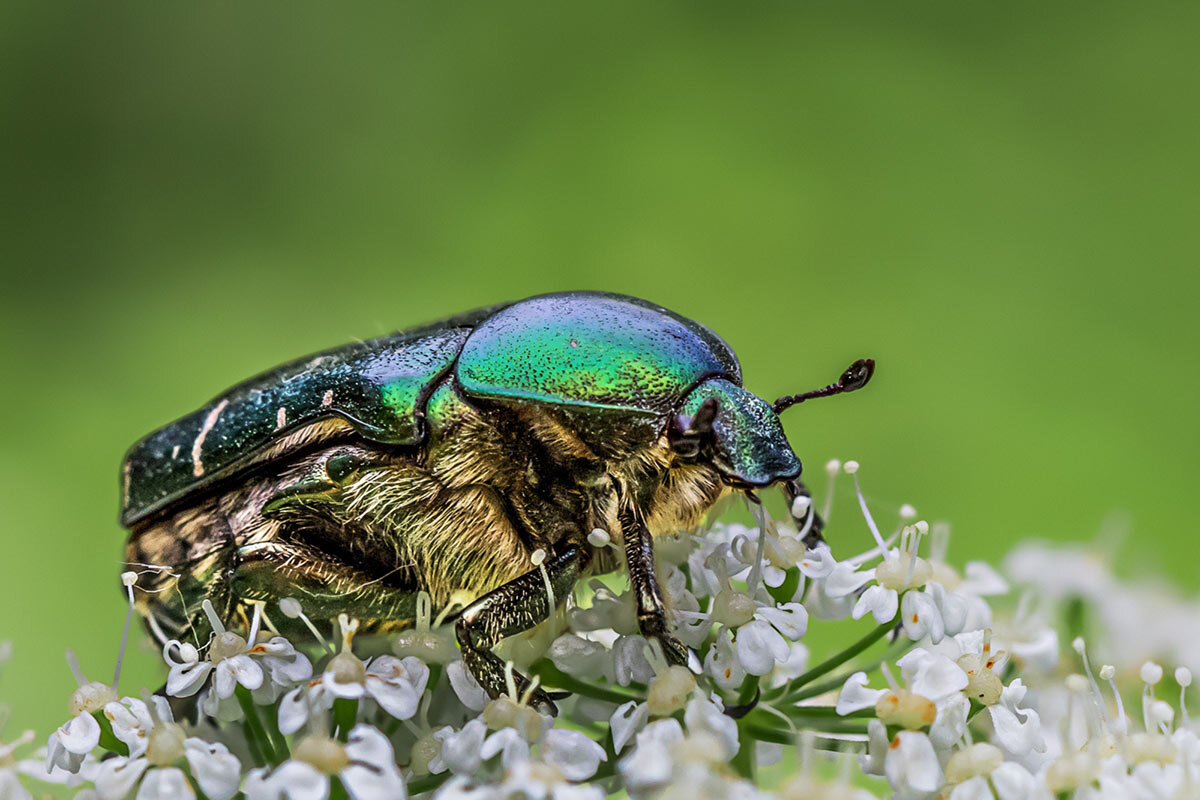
(341, 467)
(686, 447)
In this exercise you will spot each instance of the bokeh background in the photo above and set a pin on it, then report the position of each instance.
(998, 203)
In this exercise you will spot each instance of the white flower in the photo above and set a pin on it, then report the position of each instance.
(1018, 730)
(881, 602)
(72, 742)
(10, 784)
(462, 750)
(702, 714)
(264, 668)
(575, 755)
(722, 664)
(365, 765)
(764, 642)
(581, 658)
(912, 763)
(216, 770)
(395, 684)
(627, 720)
(466, 688)
(650, 763)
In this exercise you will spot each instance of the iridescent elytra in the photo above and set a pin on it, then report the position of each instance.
(440, 458)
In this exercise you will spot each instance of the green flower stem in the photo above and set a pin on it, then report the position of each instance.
(826, 712)
(553, 676)
(427, 783)
(770, 733)
(836, 660)
(278, 740)
(256, 735)
(818, 689)
(745, 760)
(748, 691)
(345, 714)
(108, 739)
(337, 789)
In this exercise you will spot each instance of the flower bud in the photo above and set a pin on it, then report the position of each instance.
(346, 668)
(91, 697)
(976, 761)
(733, 608)
(907, 710)
(326, 754)
(983, 685)
(424, 750)
(226, 645)
(669, 691)
(164, 745)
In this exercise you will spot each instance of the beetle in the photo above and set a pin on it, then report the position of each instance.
(441, 458)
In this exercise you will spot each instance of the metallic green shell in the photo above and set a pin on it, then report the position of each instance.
(594, 351)
(379, 387)
(751, 445)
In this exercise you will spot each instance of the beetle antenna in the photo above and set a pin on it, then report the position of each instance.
(855, 377)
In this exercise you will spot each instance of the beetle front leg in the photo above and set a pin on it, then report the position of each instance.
(796, 488)
(651, 610)
(510, 609)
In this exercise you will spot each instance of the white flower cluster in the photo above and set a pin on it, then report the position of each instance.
(940, 697)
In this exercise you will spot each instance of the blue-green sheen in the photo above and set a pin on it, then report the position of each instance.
(751, 444)
(592, 350)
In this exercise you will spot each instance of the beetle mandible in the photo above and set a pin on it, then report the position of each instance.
(441, 458)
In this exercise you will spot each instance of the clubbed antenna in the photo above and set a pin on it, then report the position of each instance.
(855, 377)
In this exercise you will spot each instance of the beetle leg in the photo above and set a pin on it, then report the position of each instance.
(325, 587)
(651, 610)
(796, 488)
(510, 609)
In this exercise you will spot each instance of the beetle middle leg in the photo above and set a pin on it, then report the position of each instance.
(510, 609)
(651, 610)
(796, 488)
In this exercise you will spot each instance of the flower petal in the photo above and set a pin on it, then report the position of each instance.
(856, 696)
(879, 601)
(628, 719)
(577, 756)
(790, 619)
(292, 780)
(165, 783)
(469, 692)
(116, 777)
(216, 770)
(912, 763)
(702, 714)
(760, 647)
(372, 773)
(396, 697)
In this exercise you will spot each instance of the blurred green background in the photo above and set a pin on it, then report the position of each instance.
(998, 203)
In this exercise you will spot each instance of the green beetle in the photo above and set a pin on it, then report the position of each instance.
(441, 458)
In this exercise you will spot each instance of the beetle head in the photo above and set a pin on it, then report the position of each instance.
(736, 431)
(740, 434)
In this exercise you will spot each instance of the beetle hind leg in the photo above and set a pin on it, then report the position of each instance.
(325, 587)
(510, 609)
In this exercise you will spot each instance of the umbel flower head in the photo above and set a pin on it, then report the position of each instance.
(927, 682)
